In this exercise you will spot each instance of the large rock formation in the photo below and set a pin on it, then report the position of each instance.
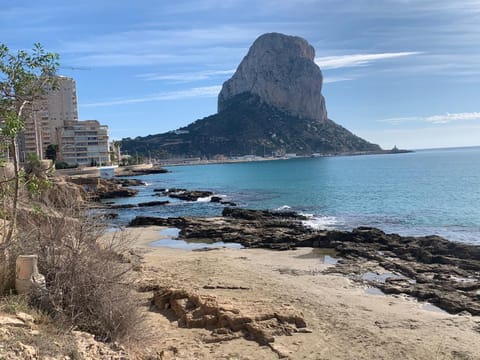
(272, 105)
(280, 69)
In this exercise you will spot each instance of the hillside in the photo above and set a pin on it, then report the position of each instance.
(249, 126)
(272, 105)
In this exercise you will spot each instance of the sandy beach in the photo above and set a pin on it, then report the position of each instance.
(343, 319)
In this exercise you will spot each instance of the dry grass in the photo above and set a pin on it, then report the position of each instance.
(88, 285)
(87, 282)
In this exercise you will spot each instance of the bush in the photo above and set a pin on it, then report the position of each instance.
(87, 281)
(63, 165)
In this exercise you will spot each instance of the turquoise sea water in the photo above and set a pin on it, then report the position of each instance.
(421, 193)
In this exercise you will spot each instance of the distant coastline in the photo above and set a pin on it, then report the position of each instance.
(252, 158)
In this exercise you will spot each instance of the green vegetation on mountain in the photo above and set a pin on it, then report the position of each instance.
(249, 126)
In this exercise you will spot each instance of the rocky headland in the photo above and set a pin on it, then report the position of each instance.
(272, 105)
(281, 71)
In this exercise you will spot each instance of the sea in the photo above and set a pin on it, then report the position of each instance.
(425, 192)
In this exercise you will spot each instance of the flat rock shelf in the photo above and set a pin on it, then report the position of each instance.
(429, 268)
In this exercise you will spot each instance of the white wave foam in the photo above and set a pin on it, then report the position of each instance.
(321, 222)
(204, 199)
(283, 208)
(306, 214)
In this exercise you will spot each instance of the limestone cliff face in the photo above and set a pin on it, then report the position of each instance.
(273, 104)
(280, 69)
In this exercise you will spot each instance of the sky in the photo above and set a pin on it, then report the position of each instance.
(396, 72)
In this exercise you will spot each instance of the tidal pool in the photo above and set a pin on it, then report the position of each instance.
(172, 241)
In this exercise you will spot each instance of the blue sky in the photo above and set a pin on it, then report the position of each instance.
(396, 72)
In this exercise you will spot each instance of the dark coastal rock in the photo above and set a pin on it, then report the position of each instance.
(193, 195)
(153, 203)
(219, 200)
(98, 188)
(261, 215)
(125, 171)
(165, 192)
(116, 193)
(122, 206)
(228, 203)
(251, 228)
(183, 194)
(152, 220)
(142, 204)
(128, 182)
(432, 269)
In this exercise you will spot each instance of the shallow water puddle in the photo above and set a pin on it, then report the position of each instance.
(430, 307)
(170, 233)
(373, 291)
(326, 256)
(380, 277)
(172, 241)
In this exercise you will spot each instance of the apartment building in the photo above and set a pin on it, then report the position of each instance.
(84, 143)
(47, 115)
(54, 120)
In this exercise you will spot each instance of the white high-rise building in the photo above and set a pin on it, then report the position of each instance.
(61, 106)
(53, 120)
(48, 115)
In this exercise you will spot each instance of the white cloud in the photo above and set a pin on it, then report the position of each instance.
(435, 119)
(186, 77)
(443, 119)
(142, 40)
(221, 46)
(205, 91)
(334, 79)
(355, 60)
(196, 6)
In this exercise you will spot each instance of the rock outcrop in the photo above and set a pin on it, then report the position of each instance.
(428, 268)
(24, 336)
(98, 188)
(272, 105)
(260, 324)
(280, 69)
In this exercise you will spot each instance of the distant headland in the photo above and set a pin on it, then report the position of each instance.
(271, 107)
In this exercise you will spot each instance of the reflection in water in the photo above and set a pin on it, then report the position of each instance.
(326, 256)
(172, 241)
(430, 307)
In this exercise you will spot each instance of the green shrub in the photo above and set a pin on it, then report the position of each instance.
(63, 165)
